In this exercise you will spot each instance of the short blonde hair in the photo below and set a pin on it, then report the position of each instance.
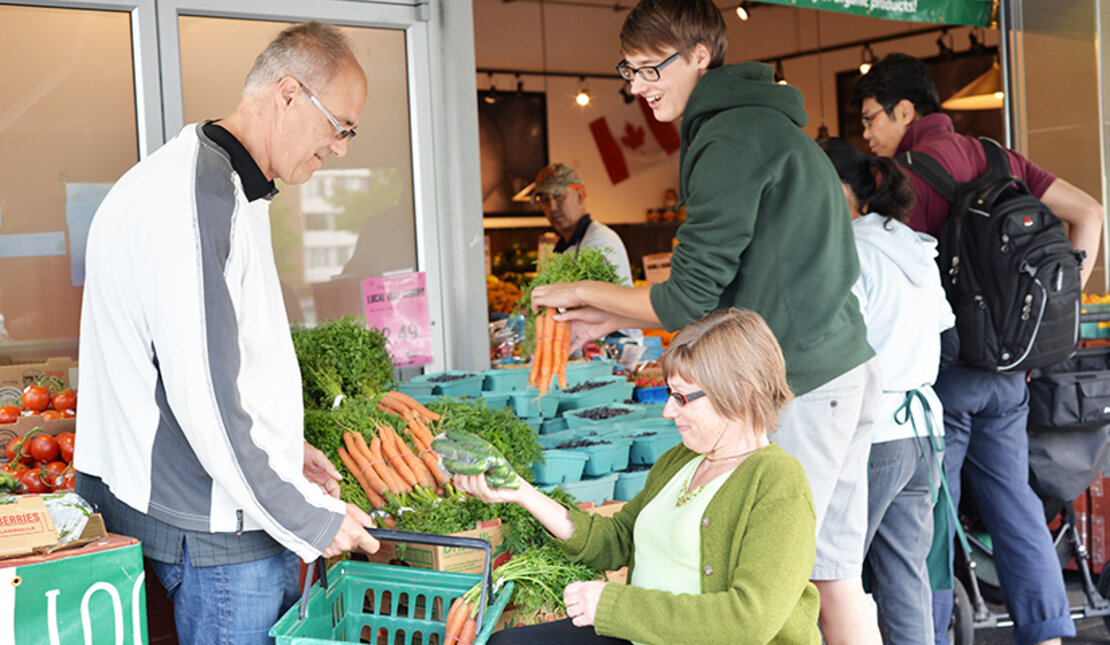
(734, 357)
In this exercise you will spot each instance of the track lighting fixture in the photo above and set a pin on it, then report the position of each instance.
(866, 59)
(582, 98)
(780, 77)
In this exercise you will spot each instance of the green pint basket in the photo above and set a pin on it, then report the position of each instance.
(364, 602)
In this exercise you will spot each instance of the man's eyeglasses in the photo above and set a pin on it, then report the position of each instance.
(340, 132)
(866, 119)
(682, 399)
(649, 73)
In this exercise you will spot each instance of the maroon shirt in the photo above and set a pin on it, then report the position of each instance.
(964, 159)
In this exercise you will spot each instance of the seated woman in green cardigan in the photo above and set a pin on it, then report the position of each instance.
(720, 543)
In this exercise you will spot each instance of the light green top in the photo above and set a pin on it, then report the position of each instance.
(668, 536)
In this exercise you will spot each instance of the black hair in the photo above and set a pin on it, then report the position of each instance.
(897, 77)
(892, 196)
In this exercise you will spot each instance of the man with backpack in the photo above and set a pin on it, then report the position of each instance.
(985, 403)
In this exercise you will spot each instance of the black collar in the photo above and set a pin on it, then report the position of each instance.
(255, 184)
(576, 239)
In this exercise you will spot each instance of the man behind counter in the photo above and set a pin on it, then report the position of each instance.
(561, 194)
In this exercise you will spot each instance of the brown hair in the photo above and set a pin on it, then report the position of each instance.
(678, 24)
(311, 52)
(733, 356)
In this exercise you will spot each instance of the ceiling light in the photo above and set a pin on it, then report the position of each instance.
(866, 59)
(780, 77)
(491, 96)
(582, 98)
(984, 93)
(742, 11)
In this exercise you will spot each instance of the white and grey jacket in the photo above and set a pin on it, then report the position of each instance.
(191, 405)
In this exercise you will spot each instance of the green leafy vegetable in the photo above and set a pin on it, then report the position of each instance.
(539, 577)
(342, 357)
(513, 438)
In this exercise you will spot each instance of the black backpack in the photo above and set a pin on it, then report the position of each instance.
(1008, 269)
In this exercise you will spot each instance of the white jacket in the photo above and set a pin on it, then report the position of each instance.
(190, 391)
(905, 309)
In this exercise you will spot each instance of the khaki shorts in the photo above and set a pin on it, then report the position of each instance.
(829, 431)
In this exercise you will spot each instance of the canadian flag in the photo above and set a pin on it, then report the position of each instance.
(630, 139)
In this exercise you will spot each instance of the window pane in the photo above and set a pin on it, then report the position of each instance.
(67, 131)
(354, 218)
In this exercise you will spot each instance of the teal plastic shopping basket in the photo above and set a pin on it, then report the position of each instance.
(363, 602)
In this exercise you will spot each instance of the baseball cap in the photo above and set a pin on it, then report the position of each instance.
(555, 179)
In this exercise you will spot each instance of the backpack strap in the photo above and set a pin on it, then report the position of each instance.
(998, 163)
(930, 171)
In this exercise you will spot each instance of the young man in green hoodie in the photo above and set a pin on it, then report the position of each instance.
(766, 230)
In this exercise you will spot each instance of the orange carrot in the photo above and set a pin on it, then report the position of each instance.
(412, 403)
(348, 461)
(390, 403)
(363, 469)
(537, 353)
(423, 477)
(393, 456)
(421, 430)
(384, 471)
(547, 365)
(455, 620)
(469, 629)
(562, 351)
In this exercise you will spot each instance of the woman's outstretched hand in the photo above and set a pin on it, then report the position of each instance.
(477, 486)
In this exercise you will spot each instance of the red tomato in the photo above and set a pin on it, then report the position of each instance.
(69, 414)
(36, 398)
(44, 448)
(9, 414)
(51, 415)
(68, 479)
(65, 400)
(33, 483)
(18, 445)
(65, 444)
(14, 468)
(55, 468)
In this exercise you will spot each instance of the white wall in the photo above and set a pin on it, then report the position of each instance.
(584, 39)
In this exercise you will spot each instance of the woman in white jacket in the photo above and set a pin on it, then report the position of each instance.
(904, 305)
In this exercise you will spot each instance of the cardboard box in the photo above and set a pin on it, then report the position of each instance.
(26, 528)
(16, 376)
(657, 267)
(441, 558)
(90, 594)
(10, 431)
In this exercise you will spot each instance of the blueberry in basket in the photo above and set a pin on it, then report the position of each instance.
(579, 443)
(588, 385)
(597, 414)
(445, 378)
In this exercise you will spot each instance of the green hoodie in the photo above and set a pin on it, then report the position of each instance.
(767, 226)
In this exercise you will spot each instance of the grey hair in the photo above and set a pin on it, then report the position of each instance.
(310, 52)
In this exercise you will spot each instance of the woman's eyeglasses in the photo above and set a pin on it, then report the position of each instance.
(682, 399)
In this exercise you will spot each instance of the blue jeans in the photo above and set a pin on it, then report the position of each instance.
(984, 423)
(899, 535)
(233, 604)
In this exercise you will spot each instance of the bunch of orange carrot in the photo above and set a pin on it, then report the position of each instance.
(552, 351)
(462, 623)
(387, 464)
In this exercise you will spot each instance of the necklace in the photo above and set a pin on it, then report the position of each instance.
(743, 454)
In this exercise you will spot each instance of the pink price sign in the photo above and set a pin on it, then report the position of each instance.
(398, 306)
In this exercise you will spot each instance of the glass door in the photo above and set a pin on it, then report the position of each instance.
(79, 107)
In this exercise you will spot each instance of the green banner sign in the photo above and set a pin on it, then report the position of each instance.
(976, 13)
